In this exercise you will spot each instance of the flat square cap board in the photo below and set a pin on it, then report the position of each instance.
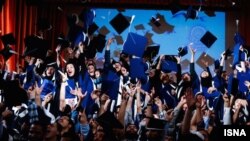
(208, 39)
(119, 23)
(8, 39)
(135, 44)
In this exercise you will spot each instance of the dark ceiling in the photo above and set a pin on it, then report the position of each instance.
(148, 4)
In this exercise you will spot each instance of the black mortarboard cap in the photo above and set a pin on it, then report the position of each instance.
(155, 21)
(184, 64)
(208, 39)
(108, 121)
(191, 13)
(204, 58)
(8, 39)
(7, 52)
(117, 53)
(60, 40)
(43, 24)
(50, 61)
(91, 51)
(169, 64)
(139, 70)
(36, 47)
(135, 44)
(156, 124)
(182, 51)
(119, 23)
(228, 53)
(103, 30)
(174, 7)
(210, 13)
(92, 28)
(160, 25)
(119, 39)
(72, 19)
(14, 94)
(98, 42)
(149, 36)
(139, 27)
(152, 51)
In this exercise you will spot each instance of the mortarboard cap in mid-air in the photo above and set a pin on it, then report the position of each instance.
(191, 13)
(103, 31)
(204, 58)
(152, 51)
(139, 70)
(119, 23)
(169, 64)
(182, 51)
(8, 39)
(36, 47)
(155, 21)
(135, 44)
(43, 24)
(174, 7)
(208, 39)
(160, 25)
(98, 42)
(14, 95)
(92, 28)
(7, 52)
(119, 40)
(185, 64)
(139, 27)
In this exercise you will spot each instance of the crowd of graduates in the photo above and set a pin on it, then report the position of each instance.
(133, 98)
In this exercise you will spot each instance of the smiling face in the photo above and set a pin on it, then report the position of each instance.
(50, 71)
(51, 131)
(117, 66)
(70, 69)
(91, 70)
(124, 71)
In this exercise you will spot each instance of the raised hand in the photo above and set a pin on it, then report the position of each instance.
(192, 50)
(190, 99)
(64, 76)
(58, 49)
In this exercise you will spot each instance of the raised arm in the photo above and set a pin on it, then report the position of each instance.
(63, 91)
(107, 53)
(188, 114)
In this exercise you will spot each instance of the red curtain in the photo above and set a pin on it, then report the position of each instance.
(17, 18)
